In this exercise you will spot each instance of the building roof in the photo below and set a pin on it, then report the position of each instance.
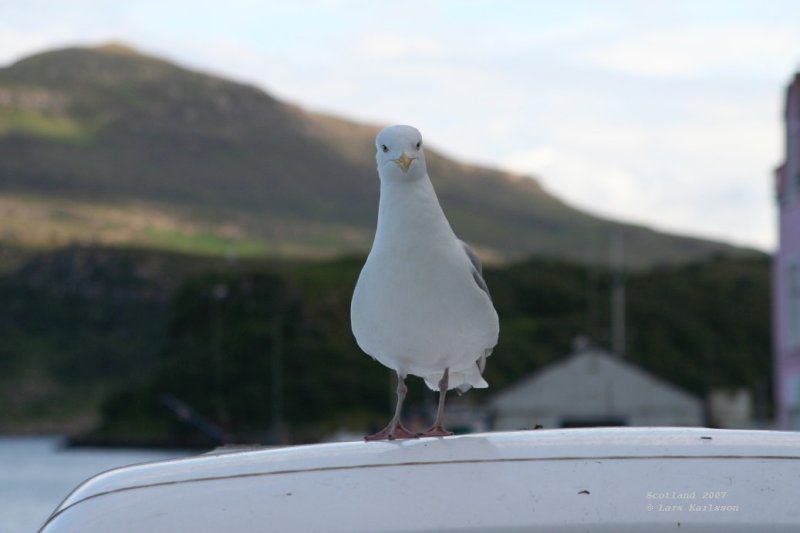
(594, 383)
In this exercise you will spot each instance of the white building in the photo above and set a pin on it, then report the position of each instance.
(593, 388)
(786, 272)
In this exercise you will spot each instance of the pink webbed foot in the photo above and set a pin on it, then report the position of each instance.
(389, 433)
(436, 431)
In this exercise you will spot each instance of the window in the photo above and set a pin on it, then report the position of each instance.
(793, 307)
(793, 402)
(795, 189)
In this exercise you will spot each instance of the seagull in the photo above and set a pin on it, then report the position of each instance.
(421, 305)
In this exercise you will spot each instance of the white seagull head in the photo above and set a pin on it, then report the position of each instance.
(399, 154)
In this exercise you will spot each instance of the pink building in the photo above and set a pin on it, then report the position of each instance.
(786, 271)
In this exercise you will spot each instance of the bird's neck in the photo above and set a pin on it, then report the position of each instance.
(411, 208)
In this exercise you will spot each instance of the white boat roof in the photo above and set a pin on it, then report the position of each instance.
(598, 479)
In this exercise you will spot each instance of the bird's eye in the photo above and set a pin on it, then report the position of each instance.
(384, 148)
(419, 143)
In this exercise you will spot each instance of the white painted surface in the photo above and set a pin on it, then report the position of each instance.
(599, 479)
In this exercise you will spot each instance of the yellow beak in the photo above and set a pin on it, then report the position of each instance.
(404, 162)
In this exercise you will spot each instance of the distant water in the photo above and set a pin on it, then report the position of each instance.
(37, 473)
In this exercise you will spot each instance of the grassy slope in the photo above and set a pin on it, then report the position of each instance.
(40, 222)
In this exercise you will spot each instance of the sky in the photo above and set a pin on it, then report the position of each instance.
(661, 113)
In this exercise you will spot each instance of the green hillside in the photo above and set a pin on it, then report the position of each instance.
(95, 338)
(699, 326)
(106, 145)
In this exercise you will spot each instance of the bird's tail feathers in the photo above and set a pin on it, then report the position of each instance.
(460, 379)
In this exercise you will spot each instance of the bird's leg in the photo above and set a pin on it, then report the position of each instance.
(395, 429)
(437, 430)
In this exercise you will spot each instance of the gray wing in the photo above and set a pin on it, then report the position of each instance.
(477, 275)
(477, 268)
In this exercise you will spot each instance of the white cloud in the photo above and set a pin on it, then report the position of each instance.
(15, 44)
(693, 178)
(397, 46)
(695, 51)
(580, 177)
(536, 161)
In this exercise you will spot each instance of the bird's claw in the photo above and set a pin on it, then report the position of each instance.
(390, 433)
(436, 431)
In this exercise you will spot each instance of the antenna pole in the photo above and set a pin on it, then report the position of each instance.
(618, 340)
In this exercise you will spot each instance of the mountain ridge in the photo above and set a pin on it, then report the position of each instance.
(112, 126)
